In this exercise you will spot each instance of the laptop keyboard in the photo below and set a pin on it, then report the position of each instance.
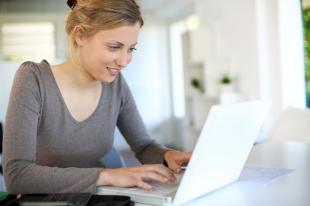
(164, 188)
(80, 199)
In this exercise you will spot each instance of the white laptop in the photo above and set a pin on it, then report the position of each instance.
(219, 156)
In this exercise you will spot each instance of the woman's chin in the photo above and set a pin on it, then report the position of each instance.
(109, 79)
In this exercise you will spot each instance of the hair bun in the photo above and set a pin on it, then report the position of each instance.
(71, 3)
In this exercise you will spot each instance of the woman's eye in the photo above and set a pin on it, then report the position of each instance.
(113, 48)
(132, 49)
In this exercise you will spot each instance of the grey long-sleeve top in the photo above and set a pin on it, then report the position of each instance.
(47, 151)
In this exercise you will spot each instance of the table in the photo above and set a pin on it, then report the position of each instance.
(292, 189)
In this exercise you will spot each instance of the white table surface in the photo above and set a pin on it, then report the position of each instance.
(292, 189)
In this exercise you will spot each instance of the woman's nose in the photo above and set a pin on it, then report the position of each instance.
(123, 59)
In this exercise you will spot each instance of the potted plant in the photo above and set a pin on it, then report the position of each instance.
(227, 84)
(196, 84)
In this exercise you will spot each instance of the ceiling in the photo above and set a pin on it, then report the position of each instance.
(166, 10)
(162, 10)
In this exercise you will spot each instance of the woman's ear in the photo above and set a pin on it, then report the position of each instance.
(80, 38)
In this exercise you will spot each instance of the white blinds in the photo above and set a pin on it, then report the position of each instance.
(28, 41)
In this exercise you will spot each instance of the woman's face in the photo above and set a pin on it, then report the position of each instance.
(106, 53)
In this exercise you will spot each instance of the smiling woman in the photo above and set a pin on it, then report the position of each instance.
(61, 118)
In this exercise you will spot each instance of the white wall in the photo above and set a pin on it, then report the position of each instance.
(234, 29)
(7, 71)
(262, 40)
(148, 76)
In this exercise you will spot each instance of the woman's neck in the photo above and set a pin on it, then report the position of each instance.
(77, 75)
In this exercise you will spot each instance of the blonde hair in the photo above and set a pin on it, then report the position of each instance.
(95, 15)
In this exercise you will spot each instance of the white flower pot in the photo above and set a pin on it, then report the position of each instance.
(224, 88)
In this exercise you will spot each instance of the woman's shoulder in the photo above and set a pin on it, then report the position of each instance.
(30, 71)
(31, 66)
(120, 84)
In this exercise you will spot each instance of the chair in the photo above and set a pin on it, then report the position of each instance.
(113, 159)
(2, 185)
(293, 124)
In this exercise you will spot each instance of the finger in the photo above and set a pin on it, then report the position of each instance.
(175, 166)
(181, 160)
(162, 170)
(184, 157)
(154, 177)
(187, 156)
(143, 185)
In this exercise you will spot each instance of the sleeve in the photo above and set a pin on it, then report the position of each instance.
(133, 129)
(21, 173)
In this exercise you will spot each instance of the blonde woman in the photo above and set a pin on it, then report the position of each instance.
(61, 118)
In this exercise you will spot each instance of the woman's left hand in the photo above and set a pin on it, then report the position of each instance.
(175, 159)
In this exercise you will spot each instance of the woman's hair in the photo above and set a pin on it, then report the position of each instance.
(95, 15)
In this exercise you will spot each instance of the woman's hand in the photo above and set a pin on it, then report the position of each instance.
(136, 176)
(176, 159)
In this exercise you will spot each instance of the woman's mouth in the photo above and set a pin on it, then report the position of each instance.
(113, 71)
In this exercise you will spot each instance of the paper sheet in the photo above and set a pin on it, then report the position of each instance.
(262, 175)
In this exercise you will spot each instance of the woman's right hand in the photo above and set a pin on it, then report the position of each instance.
(136, 176)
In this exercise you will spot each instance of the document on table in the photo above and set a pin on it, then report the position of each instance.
(262, 175)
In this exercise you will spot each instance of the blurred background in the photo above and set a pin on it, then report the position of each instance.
(191, 55)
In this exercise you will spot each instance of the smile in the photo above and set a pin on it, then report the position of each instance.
(113, 72)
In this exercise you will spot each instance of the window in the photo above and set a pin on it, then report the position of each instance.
(28, 41)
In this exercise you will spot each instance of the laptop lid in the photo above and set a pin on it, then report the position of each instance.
(222, 149)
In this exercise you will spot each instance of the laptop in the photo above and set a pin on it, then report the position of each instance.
(218, 158)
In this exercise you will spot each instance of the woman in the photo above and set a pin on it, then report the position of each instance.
(61, 119)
